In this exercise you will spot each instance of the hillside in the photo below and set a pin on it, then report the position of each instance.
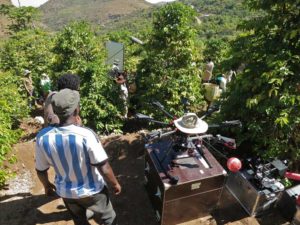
(217, 17)
(57, 13)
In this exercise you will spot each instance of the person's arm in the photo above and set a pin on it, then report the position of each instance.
(41, 167)
(48, 186)
(99, 159)
(109, 176)
(25, 85)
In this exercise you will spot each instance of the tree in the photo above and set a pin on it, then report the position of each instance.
(21, 17)
(217, 50)
(27, 49)
(168, 72)
(77, 50)
(266, 95)
(12, 109)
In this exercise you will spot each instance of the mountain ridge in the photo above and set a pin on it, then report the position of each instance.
(57, 13)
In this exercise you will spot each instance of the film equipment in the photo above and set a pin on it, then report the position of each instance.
(182, 177)
(257, 187)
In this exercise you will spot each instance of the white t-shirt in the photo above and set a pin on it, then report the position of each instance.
(209, 66)
(45, 81)
(124, 91)
(230, 75)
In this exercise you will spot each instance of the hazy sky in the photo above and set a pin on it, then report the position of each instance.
(37, 3)
(157, 1)
(34, 3)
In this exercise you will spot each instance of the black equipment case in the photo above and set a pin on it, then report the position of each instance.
(200, 181)
(287, 203)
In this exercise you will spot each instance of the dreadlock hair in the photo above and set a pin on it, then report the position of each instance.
(68, 80)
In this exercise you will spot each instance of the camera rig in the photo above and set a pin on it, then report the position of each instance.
(178, 157)
(183, 179)
(183, 145)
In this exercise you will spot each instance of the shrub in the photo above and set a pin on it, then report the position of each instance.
(78, 50)
(12, 108)
(168, 72)
(266, 95)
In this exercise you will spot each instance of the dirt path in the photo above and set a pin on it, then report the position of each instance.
(24, 203)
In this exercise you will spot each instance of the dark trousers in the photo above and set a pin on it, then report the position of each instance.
(98, 203)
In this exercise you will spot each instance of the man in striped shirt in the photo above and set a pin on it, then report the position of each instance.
(80, 163)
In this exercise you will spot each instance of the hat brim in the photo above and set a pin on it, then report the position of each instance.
(65, 102)
(201, 127)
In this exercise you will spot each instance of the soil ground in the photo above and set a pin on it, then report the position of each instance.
(24, 202)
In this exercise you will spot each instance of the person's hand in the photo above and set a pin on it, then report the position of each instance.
(117, 189)
(50, 190)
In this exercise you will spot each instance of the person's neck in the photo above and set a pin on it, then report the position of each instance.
(70, 121)
(66, 124)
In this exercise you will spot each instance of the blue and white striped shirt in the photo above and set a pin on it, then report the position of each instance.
(72, 151)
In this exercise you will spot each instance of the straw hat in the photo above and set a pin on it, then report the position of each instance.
(26, 72)
(189, 123)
